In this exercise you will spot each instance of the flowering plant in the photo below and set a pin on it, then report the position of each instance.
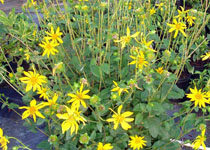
(100, 74)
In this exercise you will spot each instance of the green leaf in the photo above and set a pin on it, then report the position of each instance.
(153, 125)
(95, 70)
(44, 145)
(99, 126)
(12, 105)
(138, 118)
(105, 68)
(176, 93)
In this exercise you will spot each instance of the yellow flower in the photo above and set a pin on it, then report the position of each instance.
(49, 47)
(199, 141)
(160, 6)
(104, 147)
(51, 102)
(177, 26)
(182, 13)
(32, 110)
(33, 3)
(3, 140)
(43, 93)
(190, 20)
(2, 1)
(198, 97)
(147, 44)
(152, 11)
(33, 80)
(55, 36)
(79, 97)
(160, 70)
(137, 142)
(121, 119)
(206, 56)
(85, 8)
(139, 60)
(118, 89)
(126, 39)
(129, 5)
(72, 118)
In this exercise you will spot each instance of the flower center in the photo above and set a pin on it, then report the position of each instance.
(32, 110)
(48, 46)
(80, 96)
(33, 80)
(141, 60)
(198, 96)
(178, 26)
(54, 36)
(120, 119)
(137, 140)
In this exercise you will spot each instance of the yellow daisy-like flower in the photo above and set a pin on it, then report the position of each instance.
(181, 13)
(198, 97)
(51, 102)
(55, 36)
(43, 93)
(79, 97)
(3, 140)
(72, 118)
(159, 70)
(152, 11)
(160, 6)
(137, 142)
(118, 89)
(107, 146)
(139, 60)
(121, 119)
(33, 80)
(177, 26)
(2, 1)
(199, 141)
(126, 39)
(32, 110)
(190, 20)
(49, 48)
(206, 56)
(147, 44)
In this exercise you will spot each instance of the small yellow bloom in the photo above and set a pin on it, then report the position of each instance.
(137, 142)
(79, 97)
(55, 36)
(32, 110)
(182, 13)
(160, 6)
(148, 44)
(126, 39)
(43, 93)
(49, 48)
(199, 141)
(190, 20)
(139, 60)
(3, 140)
(85, 8)
(51, 102)
(107, 146)
(129, 5)
(198, 97)
(121, 119)
(33, 80)
(72, 118)
(206, 56)
(118, 89)
(152, 11)
(177, 26)
(2, 1)
(160, 70)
